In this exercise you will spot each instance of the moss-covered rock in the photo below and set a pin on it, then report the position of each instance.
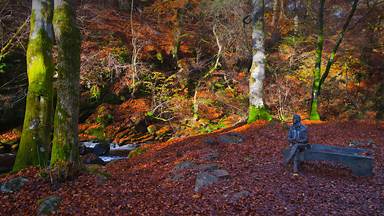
(137, 152)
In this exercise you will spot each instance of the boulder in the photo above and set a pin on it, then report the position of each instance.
(101, 149)
(211, 156)
(209, 174)
(177, 172)
(13, 185)
(48, 205)
(231, 138)
(92, 158)
(238, 195)
(184, 165)
(83, 149)
(220, 173)
(123, 150)
(208, 167)
(177, 177)
(204, 179)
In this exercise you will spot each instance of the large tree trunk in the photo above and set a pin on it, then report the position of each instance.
(35, 138)
(257, 109)
(65, 150)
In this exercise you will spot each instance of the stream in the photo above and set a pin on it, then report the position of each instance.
(115, 151)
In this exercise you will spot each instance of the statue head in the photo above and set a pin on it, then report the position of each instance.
(296, 120)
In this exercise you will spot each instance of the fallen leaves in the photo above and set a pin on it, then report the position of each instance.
(142, 185)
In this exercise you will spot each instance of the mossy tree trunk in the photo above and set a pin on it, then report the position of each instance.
(65, 150)
(319, 79)
(35, 139)
(314, 115)
(257, 109)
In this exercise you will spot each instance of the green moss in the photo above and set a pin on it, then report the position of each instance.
(160, 57)
(258, 113)
(104, 116)
(314, 115)
(32, 21)
(98, 132)
(62, 17)
(65, 153)
(68, 35)
(105, 120)
(34, 144)
(61, 150)
(40, 65)
(46, 10)
(35, 138)
(136, 152)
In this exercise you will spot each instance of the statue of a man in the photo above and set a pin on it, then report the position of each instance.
(298, 140)
(298, 133)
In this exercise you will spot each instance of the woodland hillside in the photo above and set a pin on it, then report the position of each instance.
(191, 107)
(140, 66)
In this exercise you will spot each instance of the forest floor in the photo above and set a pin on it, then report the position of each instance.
(161, 180)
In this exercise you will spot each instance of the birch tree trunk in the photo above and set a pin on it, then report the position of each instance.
(65, 150)
(257, 109)
(35, 139)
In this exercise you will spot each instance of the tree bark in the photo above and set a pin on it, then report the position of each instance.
(314, 115)
(35, 138)
(65, 150)
(296, 18)
(275, 21)
(257, 109)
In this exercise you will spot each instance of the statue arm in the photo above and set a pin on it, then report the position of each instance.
(291, 136)
(303, 138)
